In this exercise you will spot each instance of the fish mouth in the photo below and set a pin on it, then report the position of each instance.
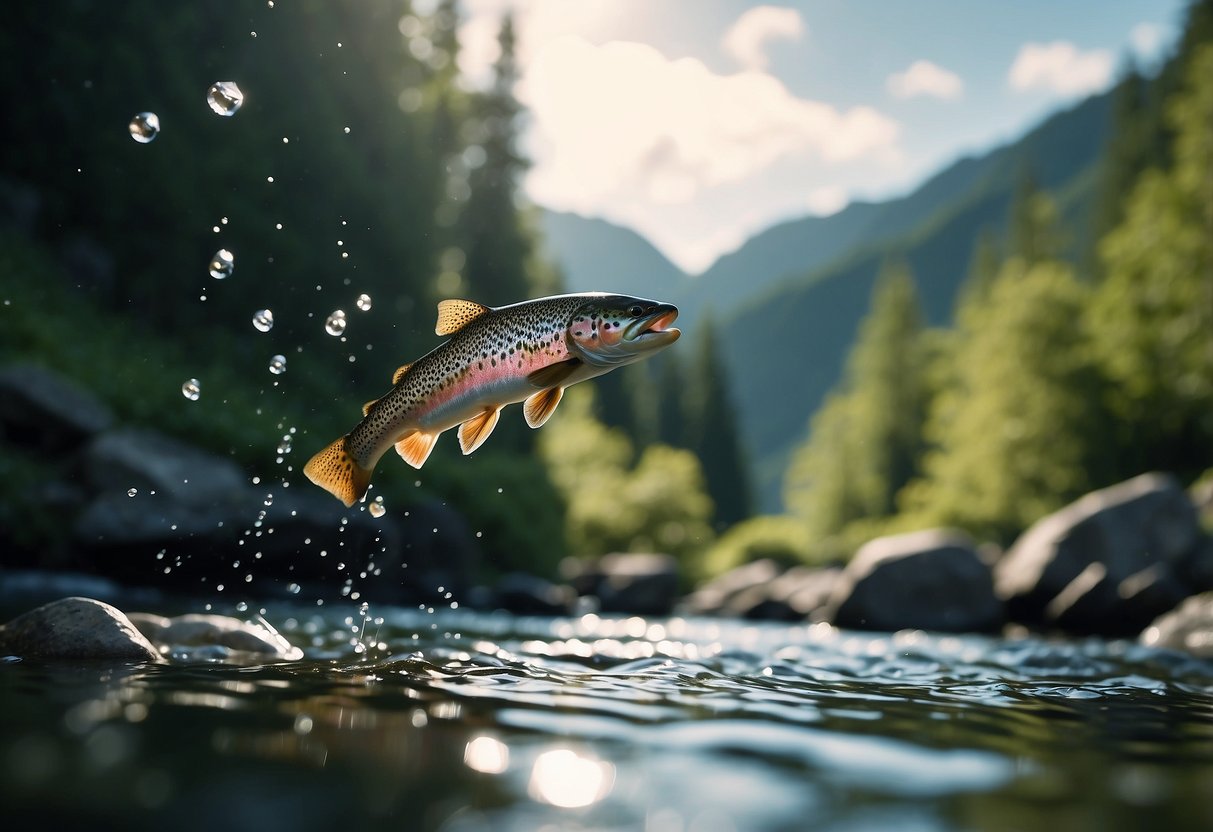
(654, 329)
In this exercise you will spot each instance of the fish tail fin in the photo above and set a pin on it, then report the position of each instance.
(336, 471)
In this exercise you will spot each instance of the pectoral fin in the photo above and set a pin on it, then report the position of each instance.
(539, 407)
(414, 447)
(554, 375)
(474, 431)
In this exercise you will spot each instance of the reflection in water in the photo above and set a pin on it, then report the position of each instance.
(487, 755)
(514, 723)
(566, 779)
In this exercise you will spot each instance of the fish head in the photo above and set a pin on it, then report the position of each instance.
(613, 330)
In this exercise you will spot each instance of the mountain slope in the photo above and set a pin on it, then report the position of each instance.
(789, 346)
(595, 255)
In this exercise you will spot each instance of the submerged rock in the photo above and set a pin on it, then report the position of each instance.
(41, 410)
(1106, 563)
(76, 628)
(1189, 627)
(221, 637)
(928, 580)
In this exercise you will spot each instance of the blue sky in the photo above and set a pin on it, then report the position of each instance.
(700, 123)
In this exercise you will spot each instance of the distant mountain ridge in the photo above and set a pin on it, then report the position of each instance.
(789, 301)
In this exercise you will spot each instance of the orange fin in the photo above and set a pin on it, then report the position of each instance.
(414, 447)
(399, 374)
(338, 473)
(553, 374)
(366, 408)
(474, 431)
(540, 407)
(454, 315)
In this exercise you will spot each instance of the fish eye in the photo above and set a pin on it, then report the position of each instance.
(636, 310)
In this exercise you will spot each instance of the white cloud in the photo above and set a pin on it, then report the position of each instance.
(925, 78)
(826, 200)
(747, 38)
(620, 130)
(1060, 67)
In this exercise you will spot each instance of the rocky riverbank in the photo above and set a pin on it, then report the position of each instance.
(140, 508)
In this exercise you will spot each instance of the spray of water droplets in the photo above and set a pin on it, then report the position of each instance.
(191, 389)
(263, 321)
(278, 364)
(364, 302)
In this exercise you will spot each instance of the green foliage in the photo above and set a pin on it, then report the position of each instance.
(658, 504)
(780, 537)
(864, 443)
(1016, 432)
(1153, 312)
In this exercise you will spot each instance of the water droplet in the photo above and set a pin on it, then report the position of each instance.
(223, 263)
(278, 365)
(131, 492)
(376, 508)
(144, 127)
(293, 589)
(242, 606)
(335, 324)
(364, 302)
(191, 389)
(263, 320)
(224, 97)
(269, 499)
(284, 447)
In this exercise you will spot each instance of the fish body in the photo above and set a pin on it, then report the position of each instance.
(527, 352)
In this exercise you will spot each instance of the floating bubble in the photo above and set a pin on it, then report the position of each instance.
(131, 492)
(144, 127)
(278, 364)
(364, 302)
(376, 508)
(191, 389)
(224, 97)
(335, 323)
(223, 263)
(263, 320)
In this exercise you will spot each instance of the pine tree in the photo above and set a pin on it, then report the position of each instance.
(496, 245)
(865, 441)
(1153, 313)
(711, 431)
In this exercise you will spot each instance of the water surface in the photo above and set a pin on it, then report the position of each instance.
(413, 719)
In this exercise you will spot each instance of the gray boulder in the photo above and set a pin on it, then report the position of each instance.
(147, 461)
(928, 580)
(76, 628)
(524, 594)
(642, 584)
(800, 593)
(716, 596)
(214, 637)
(43, 411)
(1088, 565)
(1188, 627)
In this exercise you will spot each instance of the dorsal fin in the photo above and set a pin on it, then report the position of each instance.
(399, 374)
(366, 408)
(553, 375)
(539, 407)
(455, 314)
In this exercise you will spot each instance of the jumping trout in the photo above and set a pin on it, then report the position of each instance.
(528, 351)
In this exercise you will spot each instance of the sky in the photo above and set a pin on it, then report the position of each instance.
(698, 123)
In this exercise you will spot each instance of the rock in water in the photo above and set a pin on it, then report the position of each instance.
(1109, 560)
(640, 584)
(45, 411)
(76, 628)
(211, 637)
(928, 580)
(1188, 627)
